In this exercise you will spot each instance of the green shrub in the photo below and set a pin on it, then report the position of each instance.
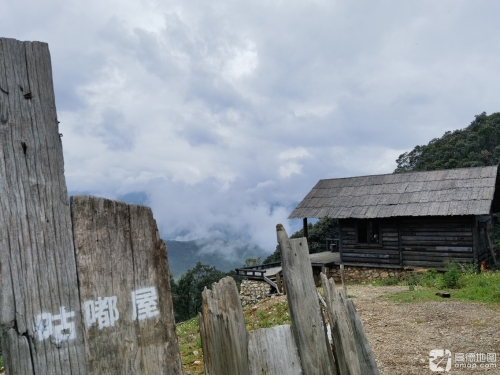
(412, 279)
(390, 281)
(430, 279)
(451, 276)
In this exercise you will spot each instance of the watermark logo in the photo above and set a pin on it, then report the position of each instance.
(440, 360)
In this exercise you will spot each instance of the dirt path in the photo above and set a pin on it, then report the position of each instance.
(402, 335)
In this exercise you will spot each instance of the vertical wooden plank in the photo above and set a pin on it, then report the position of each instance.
(305, 312)
(222, 329)
(345, 352)
(400, 247)
(365, 353)
(304, 227)
(476, 242)
(124, 289)
(273, 351)
(342, 277)
(39, 307)
(340, 241)
(279, 283)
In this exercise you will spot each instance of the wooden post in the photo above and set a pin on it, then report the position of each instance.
(305, 312)
(39, 306)
(340, 241)
(476, 243)
(279, 283)
(345, 352)
(400, 245)
(305, 229)
(491, 247)
(363, 348)
(222, 329)
(342, 277)
(124, 289)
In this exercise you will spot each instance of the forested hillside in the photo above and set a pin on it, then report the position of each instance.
(475, 146)
(223, 255)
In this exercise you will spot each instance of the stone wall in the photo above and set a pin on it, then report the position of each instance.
(253, 291)
(360, 274)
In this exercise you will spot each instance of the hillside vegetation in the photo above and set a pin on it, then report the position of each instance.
(477, 145)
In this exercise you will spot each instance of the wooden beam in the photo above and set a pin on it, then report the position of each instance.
(305, 312)
(304, 227)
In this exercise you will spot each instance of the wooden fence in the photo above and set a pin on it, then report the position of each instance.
(303, 348)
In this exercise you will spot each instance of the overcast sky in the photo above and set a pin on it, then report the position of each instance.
(221, 115)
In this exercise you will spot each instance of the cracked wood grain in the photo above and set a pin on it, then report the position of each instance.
(38, 268)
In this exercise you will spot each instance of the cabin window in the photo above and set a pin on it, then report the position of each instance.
(368, 232)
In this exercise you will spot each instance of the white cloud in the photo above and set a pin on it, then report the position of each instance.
(225, 114)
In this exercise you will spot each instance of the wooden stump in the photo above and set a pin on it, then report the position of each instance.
(307, 320)
(124, 289)
(222, 329)
(39, 305)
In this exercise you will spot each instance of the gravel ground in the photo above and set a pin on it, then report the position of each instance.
(402, 334)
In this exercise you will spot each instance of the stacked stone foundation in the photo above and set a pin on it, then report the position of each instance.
(361, 274)
(252, 291)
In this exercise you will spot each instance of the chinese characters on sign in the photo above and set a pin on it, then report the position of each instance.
(144, 303)
(58, 326)
(103, 311)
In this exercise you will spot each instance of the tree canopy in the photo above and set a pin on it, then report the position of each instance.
(475, 146)
(187, 291)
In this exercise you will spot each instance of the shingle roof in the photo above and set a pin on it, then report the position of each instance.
(464, 191)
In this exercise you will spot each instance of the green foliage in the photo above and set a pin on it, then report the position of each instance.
(475, 146)
(186, 292)
(466, 285)
(451, 276)
(317, 234)
(190, 346)
(267, 316)
(1, 361)
(412, 279)
(390, 281)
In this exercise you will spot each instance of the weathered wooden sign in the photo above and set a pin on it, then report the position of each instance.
(39, 305)
(125, 293)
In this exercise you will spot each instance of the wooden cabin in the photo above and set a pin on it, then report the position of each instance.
(419, 219)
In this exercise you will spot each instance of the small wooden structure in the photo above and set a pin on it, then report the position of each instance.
(420, 219)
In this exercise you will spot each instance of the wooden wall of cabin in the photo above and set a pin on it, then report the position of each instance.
(383, 254)
(433, 241)
(428, 242)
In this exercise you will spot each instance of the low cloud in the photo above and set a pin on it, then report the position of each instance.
(223, 115)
